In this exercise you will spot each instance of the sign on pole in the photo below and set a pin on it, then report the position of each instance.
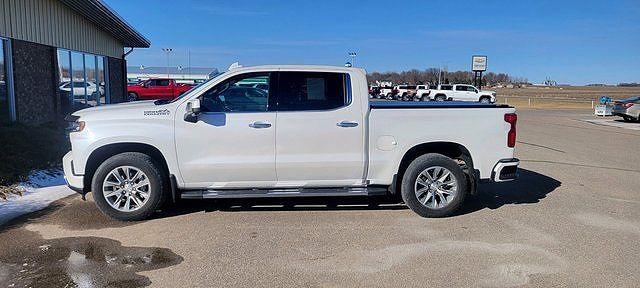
(479, 63)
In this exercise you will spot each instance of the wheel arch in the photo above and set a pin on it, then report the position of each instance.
(455, 151)
(99, 155)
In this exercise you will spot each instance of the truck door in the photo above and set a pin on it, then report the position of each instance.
(320, 135)
(232, 145)
(163, 89)
(460, 93)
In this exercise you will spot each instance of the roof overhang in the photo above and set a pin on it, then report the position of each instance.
(108, 20)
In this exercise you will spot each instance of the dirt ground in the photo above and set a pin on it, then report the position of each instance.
(572, 219)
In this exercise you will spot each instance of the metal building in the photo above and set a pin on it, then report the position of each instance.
(180, 74)
(61, 55)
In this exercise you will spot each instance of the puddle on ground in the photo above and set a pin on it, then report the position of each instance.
(28, 260)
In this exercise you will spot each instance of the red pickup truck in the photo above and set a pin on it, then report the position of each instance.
(156, 88)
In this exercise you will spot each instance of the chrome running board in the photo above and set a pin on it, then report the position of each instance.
(283, 192)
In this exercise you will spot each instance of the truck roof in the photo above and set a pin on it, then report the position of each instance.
(315, 68)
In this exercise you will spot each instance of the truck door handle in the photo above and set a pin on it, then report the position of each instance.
(347, 124)
(259, 125)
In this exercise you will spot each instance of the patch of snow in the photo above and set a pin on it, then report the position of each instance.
(41, 189)
(44, 178)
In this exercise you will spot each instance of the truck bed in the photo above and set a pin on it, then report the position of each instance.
(432, 104)
(479, 128)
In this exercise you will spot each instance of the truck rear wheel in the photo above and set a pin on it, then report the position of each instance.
(434, 186)
(129, 186)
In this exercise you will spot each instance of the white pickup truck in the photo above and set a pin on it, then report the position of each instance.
(461, 92)
(314, 133)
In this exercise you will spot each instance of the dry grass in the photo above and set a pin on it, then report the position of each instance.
(569, 97)
(573, 92)
(5, 191)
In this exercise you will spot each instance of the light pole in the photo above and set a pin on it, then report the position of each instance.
(353, 58)
(167, 51)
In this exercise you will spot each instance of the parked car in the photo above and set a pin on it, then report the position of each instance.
(388, 92)
(80, 87)
(405, 92)
(628, 109)
(157, 88)
(374, 92)
(423, 92)
(462, 92)
(210, 143)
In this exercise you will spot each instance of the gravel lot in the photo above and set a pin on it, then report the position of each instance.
(573, 219)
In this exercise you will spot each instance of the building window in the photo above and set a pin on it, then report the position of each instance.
(83, 79)
(7, 100)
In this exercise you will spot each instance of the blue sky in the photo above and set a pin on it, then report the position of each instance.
(575, 42)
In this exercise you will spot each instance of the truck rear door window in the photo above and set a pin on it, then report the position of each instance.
(304, 91)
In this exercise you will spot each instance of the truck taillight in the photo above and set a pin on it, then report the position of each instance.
(627, 105)
(511, 118)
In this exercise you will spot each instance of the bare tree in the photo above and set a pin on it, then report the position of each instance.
(430, 76)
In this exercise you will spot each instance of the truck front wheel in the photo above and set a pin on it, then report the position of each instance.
(129, 186)
(434, 186)
(132, 97)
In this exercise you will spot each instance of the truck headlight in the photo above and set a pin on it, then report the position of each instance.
(74, 124)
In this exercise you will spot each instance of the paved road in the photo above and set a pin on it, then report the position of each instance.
(573, 219)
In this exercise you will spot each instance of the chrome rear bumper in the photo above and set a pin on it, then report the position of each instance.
(505, 170)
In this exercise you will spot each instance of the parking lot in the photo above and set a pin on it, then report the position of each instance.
(572, 219)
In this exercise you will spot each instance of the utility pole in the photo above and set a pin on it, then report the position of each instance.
(167, 51)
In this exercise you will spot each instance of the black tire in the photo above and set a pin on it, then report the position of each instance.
(419, 165)
(159, 183)
(424, 98)
(441, 98)
(132, 97)
(485, 100)
(627, 118)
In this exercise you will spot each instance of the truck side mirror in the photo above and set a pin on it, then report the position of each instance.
(193, 110)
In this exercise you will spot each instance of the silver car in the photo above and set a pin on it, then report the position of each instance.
(628, 109)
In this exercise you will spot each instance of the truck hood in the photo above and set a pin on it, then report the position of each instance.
(128, 110)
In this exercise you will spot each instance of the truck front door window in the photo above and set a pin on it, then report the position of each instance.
(238, 95)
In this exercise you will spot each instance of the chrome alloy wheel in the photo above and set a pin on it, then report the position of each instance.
(126, 188)
(435, 187)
